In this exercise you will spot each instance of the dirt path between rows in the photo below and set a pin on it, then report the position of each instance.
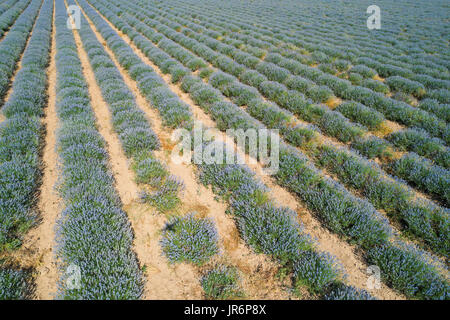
(50, 204)
(327, 241)
(11, 81)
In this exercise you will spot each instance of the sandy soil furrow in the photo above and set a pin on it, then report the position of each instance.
(128, 191)
(50, 204)
(327, 241)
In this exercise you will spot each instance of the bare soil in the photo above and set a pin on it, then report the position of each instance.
(50, 204)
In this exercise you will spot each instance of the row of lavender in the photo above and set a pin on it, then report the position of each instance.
(242, 33)
(20, 139)
(249, 40)
(6, 5)
(189, 238)
(93, 232)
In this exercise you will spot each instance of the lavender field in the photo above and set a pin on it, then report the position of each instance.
(96, 95)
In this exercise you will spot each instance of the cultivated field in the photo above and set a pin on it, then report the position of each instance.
(350, 201)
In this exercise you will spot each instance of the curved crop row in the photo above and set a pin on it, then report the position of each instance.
(278, 46)
(434, 106)
(320, 46)
(338, 127)
(390, 108)
(422, 173)
(398, 83)
(382, 191)
(189, 238)
(6, 5)
(274, 43)
(241, 39)
(282, 37)
(329, 121)
(381, 48)
(420, 142)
